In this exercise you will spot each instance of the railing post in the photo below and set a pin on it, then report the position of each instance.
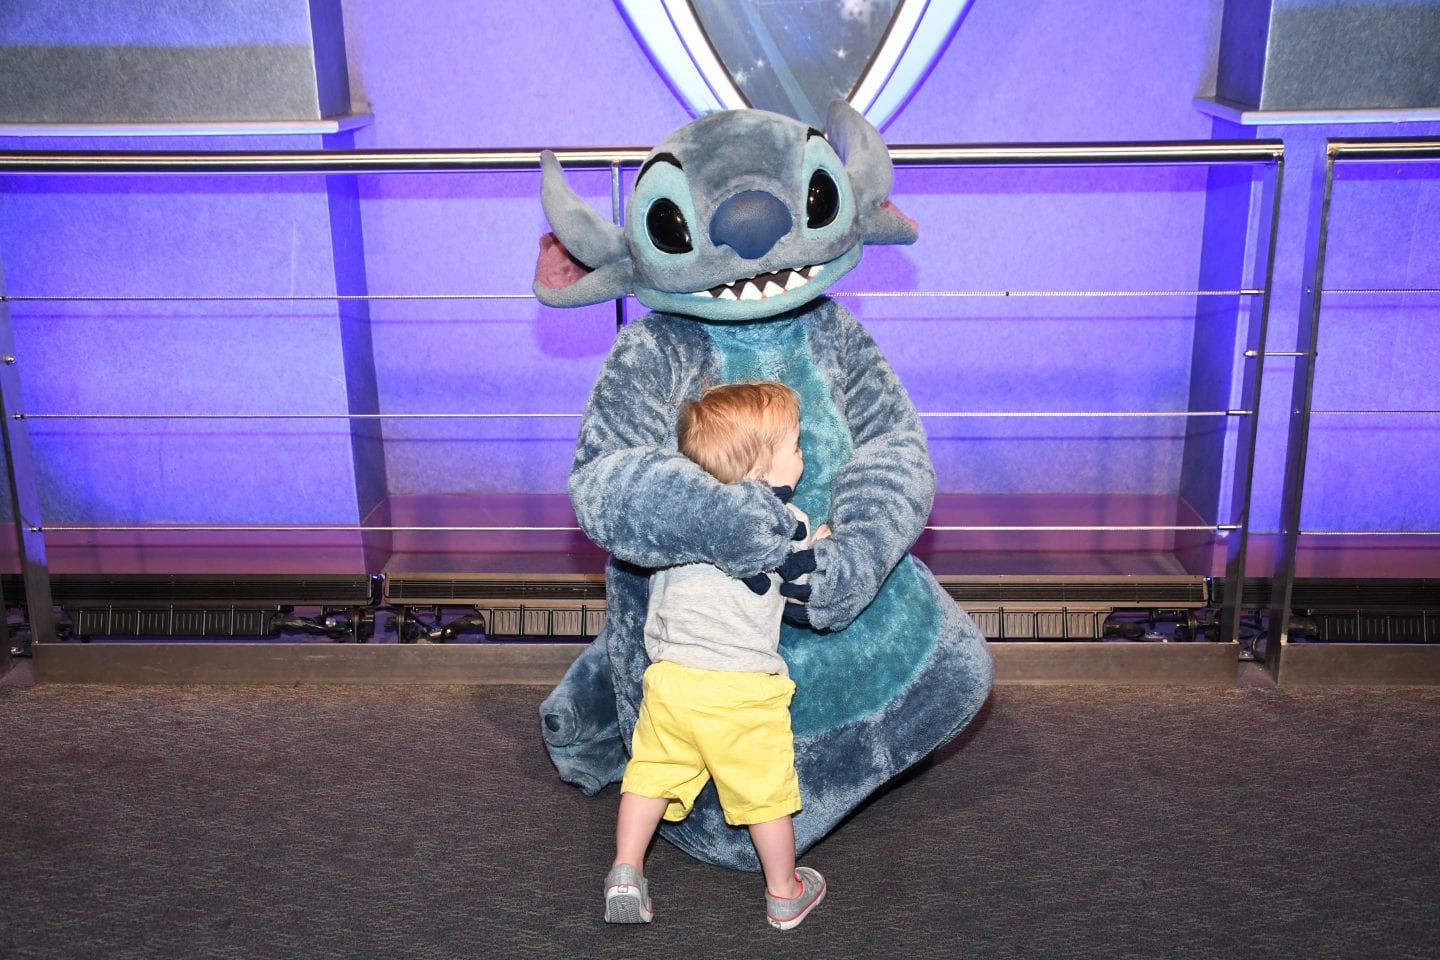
(1298, 435)
(24, 496)
(617, 216)
(1255, 338)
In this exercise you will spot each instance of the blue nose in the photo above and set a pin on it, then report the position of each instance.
(750, 223)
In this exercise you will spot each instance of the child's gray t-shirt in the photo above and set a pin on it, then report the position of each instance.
(700, 617)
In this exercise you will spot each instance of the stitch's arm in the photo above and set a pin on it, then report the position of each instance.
(881, 497)
(639, 498)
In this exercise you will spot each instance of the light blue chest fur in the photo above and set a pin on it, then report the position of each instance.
(844, 676)
(778, 351)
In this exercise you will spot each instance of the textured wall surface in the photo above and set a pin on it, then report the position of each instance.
(170, 60)
(1327, 55)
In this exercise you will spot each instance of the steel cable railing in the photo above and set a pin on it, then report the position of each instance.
(360, 162)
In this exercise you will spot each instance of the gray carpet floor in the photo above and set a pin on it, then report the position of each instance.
(1075, 822)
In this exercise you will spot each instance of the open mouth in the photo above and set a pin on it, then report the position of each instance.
(762, 286)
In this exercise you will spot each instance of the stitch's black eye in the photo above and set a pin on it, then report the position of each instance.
(823, 201)
(667, 227)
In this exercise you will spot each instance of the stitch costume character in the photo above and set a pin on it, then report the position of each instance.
(737, 224)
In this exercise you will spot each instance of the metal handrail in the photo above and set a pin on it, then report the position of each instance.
(275, 162)
(528, 158)
(1382, 149)
(939, 414)
(867, 294)
(1221, 528)
(1171, 152)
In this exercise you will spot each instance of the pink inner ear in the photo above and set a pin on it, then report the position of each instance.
(556, 268)
(887, 205)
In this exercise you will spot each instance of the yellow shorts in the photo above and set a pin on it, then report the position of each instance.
(695, 725)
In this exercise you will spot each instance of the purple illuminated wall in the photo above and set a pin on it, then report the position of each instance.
(980, 229)
(1376, 351)
(510, 73)
(1379, 351)
(209, 238)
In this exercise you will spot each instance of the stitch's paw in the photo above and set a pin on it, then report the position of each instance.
(759, 584)
(796, 566)
(796, 614)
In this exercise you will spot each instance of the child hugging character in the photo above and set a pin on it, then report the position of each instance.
(716, 697)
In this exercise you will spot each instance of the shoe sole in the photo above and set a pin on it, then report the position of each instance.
(623, 905)
(791, 923)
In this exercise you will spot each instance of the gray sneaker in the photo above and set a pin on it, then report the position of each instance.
(785, 914)
(627, 896)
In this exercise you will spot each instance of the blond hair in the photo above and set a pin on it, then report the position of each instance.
(732, 428)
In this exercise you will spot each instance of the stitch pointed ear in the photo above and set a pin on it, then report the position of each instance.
(867, 162)
(585, 260)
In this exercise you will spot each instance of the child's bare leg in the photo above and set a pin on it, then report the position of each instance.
(775, 843)
(635, 826)
(627, 893)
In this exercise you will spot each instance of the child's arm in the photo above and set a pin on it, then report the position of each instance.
(640, 499)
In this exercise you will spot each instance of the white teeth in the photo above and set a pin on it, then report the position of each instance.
(749, 288)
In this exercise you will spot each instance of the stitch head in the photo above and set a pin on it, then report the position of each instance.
(737, 216)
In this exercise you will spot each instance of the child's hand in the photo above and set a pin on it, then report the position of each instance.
(822, 531)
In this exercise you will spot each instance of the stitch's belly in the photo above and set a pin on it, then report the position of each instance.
(847, 675)
(824, 433)
(844, 676)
